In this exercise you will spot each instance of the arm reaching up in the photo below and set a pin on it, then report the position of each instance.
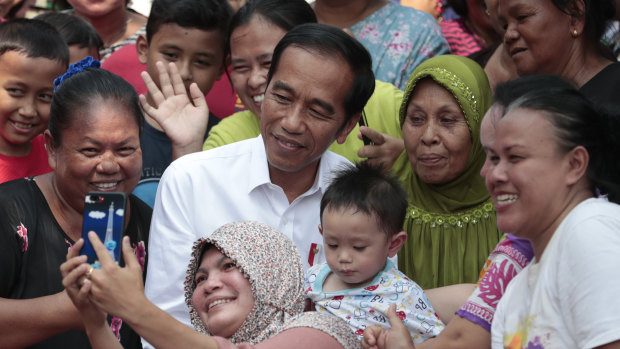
(181, 112)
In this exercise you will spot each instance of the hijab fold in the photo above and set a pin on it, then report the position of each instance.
(469, 85)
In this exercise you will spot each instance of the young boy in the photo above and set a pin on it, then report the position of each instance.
(362, 214)
(192, 35)
(32, 55)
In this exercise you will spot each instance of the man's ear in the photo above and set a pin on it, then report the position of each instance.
(320, 229)
(396, 242)
(341, 137)
(51, 151)
(142, 47)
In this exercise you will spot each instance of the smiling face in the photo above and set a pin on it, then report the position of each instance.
(251, 48)
(436, 135)
(223, 296)
(99, 151)
(538, 35)
(524, 172)
(198, 55)
(303, 112)
(356, 248)
(26, 89)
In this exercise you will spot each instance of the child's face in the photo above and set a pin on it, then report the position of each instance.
(355, 245)
(26, 89)
(198, 54)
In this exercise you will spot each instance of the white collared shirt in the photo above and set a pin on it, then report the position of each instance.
(200, 192)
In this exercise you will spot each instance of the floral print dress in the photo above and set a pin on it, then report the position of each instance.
(399, 38)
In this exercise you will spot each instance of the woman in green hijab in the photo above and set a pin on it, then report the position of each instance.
(450, 219)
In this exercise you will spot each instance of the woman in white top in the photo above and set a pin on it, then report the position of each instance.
(549, 155)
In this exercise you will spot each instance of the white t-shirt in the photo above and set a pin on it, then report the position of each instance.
(570, 298)
(200, 192)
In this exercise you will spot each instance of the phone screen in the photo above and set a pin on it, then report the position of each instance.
(104, 213)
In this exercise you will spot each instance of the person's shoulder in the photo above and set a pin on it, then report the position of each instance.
(331, 161)
(232, 152)
(332, 325)
(594, 208)
(412, 13)
(18, 187)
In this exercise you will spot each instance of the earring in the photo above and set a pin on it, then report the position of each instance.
(575, 33)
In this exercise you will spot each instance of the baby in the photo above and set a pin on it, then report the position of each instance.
(362, 214)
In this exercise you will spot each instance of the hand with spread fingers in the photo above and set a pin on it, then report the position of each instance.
(383, 151)
(397, 337)
(180, 110)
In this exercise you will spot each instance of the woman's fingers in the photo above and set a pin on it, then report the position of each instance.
(129, 256)
(375, 137)
(103, 254)
(73, 271)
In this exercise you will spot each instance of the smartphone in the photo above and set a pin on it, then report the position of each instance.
(104, 213)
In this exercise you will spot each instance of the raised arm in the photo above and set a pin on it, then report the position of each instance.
(119, 291)
(184, 120)
(384, 149)
(24, 322)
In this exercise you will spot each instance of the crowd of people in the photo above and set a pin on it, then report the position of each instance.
(327, 173)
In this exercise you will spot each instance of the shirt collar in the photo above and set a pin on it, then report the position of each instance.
(260, 170)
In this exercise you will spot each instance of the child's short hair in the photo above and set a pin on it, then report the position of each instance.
(366, 188)
(200, 14)
(73, 29)
(34, 38)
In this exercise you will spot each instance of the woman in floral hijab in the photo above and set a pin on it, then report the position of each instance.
(243, 288)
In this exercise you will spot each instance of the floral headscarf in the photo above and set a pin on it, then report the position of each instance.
(272, 264)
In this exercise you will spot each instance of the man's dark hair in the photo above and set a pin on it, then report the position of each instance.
(329, 41)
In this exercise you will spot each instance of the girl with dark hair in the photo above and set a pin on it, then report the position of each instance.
(93, 144)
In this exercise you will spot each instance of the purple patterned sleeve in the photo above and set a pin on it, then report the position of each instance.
(507, 259)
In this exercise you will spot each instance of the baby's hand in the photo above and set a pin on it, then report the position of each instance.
(397, 337)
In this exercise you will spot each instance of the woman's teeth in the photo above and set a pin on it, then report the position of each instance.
(218, 302)
(506, 199)
(105, 185)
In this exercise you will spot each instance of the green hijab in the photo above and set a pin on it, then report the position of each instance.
(469, 85)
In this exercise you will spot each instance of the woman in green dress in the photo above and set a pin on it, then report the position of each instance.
(450, 219)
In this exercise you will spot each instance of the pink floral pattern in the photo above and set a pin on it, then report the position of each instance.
(140, 252)
(116, 325)
(23, 233)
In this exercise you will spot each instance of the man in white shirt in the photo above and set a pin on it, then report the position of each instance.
(318, 84)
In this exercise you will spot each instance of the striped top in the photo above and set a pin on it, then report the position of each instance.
(462, 40)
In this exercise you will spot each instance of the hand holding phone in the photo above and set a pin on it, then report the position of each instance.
(104, 213)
